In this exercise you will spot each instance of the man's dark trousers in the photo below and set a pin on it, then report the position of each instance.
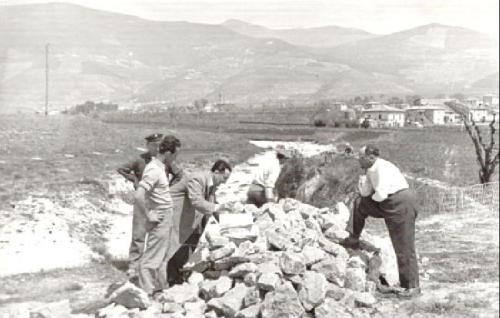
(399, 212)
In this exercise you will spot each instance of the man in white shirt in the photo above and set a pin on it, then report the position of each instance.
(152, 199)
(262, 188)
(385, 194)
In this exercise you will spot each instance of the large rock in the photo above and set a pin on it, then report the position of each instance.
(374, 268)
(222, 252)
(243, 269)
(365, 300)
(313, 224)
(181, 293)
(357, 261)
(292, 263)
(282, 302)
(313, 290)
(216, 241)
(252, 297)
(230, 303)
(250, 279)
(290, 204)
(277, 240)
(268, 281)
(60, 309)
(330, 308)
(228, 262)
(249, 312)
(239, 235)
(215, 288)
(389, 266)
(330, 247)
(270, 266)
(112, 311)
(130, 296)
(333, 269)
(335, 292)
(355, 279)
(195, 309)
(195, 279)
(198, 262)
(309, 237)
(336, 234)
(171, 308)
(312, 255)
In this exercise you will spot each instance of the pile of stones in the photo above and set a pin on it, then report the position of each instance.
(282, 260)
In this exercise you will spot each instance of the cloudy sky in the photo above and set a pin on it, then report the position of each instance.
(376, 16)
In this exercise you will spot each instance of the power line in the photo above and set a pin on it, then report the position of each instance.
(46, 79)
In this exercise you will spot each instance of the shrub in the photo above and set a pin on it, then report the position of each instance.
(319, 123)
(325, 184)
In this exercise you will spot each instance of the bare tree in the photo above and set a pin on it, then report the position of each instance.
(486, 152)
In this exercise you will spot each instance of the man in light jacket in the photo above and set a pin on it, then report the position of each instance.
(194, 202)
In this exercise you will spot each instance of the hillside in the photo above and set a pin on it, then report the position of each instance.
(433, 58)
(96, 55)
(320, 37)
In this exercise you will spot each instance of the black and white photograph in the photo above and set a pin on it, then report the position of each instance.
(249, 159)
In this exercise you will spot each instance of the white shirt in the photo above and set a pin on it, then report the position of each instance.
(382, 179)
(268, 172)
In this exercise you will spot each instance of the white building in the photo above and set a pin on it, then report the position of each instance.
(384, 116)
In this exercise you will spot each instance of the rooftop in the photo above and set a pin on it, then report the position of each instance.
(383, 108)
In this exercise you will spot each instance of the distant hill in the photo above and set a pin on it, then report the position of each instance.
(100, 56)
(485, 85)
(319, 37)
(432, 58)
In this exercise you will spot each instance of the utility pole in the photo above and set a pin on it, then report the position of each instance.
(46, 79)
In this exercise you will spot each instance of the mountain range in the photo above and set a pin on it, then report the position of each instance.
(97, 55)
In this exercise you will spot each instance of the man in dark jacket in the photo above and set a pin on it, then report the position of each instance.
(132, 171)
(194, 202)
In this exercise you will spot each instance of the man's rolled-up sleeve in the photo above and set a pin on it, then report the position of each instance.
(377, 178)
(149, 178)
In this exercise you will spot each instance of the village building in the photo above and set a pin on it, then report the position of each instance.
(480, 115)
(426, 115)
(384, 116)
(472, 102)
(371, 105)
(490, 100)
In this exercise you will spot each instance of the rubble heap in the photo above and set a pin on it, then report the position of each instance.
(282, 260)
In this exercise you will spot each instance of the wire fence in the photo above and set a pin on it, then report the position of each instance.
(484, 197)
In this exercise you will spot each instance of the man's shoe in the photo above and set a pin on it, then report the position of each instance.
(350, 242)
(410, 293)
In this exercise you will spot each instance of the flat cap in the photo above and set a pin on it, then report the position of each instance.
(154, 137)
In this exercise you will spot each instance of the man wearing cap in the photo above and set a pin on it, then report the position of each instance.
(133, 171)
(194, 202)
(262, 188)
(385, 194)
(152, 199)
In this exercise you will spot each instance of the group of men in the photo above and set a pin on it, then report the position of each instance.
(171, 210)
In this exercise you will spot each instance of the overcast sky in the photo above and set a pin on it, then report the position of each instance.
(376, 16)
